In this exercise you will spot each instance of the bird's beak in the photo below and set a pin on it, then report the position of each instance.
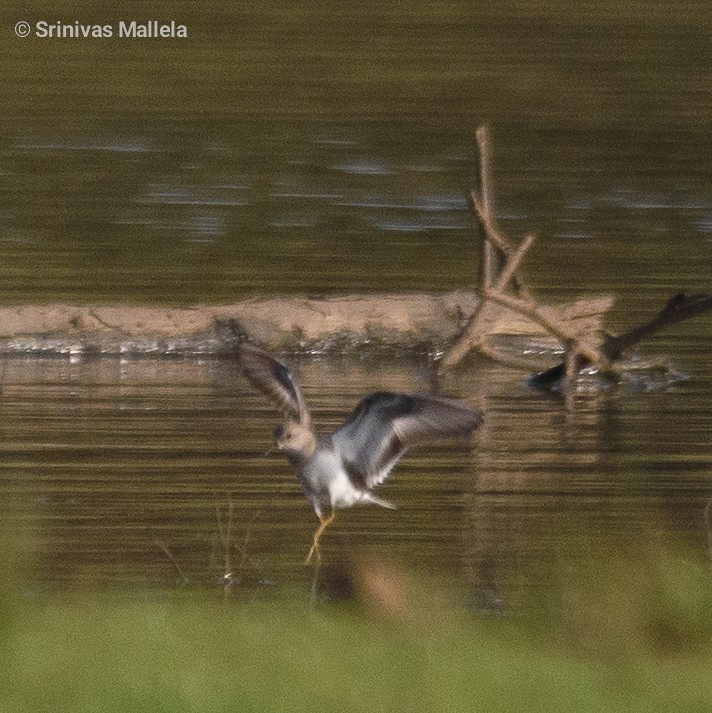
(270, 450)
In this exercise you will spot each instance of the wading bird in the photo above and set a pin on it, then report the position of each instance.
(340, 470)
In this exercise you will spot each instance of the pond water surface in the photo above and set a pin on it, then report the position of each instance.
(152, 473)
(326, 150)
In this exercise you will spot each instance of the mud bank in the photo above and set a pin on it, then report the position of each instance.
(337, 324)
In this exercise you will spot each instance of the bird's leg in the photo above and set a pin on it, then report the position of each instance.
(324, 522)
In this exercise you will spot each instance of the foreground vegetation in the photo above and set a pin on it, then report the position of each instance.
(634, 639)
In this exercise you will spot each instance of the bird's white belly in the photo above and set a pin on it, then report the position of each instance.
(342, 492)
(328, 476)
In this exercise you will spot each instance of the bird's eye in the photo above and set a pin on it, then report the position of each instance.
(278, 433)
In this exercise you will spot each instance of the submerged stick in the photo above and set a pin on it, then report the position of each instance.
(678, 308)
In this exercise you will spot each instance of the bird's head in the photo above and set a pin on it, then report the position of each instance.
(296, 437)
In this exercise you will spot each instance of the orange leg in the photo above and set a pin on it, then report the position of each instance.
(324, 522)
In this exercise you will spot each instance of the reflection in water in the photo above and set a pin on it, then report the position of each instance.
(153, 473)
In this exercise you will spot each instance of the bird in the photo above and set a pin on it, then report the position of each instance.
(341, 469)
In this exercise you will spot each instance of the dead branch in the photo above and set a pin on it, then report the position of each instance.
(678, 308)
(513, 264)
(500, 283)
(555, 327)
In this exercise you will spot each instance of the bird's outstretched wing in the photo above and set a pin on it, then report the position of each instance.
(385, 424)
(265, 373)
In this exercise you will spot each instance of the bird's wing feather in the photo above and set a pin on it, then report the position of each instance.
(384, 425)
(274, 380)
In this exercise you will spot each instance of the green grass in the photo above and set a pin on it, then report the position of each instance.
(630, 638)
(134, 657)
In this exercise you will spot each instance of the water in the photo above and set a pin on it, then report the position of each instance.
(328, 150)
(324, 150)
(124, 474)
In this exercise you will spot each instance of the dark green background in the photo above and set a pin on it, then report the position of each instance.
(320, 147)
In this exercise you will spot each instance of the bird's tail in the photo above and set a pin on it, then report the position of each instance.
(370, 498)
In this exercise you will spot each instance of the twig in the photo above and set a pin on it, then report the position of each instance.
(487, 255)
(513, 263)
(530, 309)
(226, 535)
(484, 218)
(468, 339)
(471, 337)
(482, 137)
(164, 548)
(555, 327)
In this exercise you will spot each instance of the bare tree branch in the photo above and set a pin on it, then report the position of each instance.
(499, 263)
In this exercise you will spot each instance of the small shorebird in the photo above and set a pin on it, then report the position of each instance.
(341, 469)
